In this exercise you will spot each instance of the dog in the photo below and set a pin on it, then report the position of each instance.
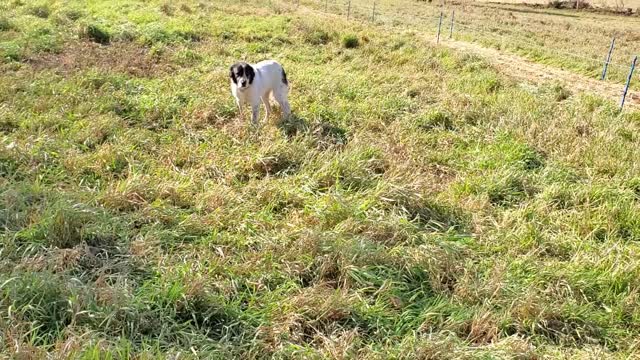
(254, 83)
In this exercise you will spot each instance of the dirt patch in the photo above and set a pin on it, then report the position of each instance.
(121, 57)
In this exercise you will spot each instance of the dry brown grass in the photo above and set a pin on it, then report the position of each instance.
(118, 57)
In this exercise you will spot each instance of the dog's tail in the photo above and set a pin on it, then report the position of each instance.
(284, 78)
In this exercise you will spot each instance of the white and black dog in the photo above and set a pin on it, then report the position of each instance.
(255, 83)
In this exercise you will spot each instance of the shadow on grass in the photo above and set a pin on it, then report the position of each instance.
(324, 134)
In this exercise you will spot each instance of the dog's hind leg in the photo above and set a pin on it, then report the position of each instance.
(281, 97)
(267, 105)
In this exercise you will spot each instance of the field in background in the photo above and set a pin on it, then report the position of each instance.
(568, 39)
(612, 4)
(418, 205)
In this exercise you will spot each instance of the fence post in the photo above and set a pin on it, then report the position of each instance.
(373, 13)
(326, 5)
(439, 26)
(608, 60)
(349, 10)
(453, 14)
(626, 87)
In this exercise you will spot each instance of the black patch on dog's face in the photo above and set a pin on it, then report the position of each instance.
(242, 74)
(232, 73)
(249, 73)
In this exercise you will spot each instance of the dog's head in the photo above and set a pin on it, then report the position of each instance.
(242, 74)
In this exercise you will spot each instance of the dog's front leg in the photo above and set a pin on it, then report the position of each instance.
(255, 111)
(240, 112)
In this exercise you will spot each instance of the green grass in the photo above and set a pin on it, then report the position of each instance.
(417, 205)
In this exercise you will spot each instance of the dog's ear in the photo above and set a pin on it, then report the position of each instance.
(232, 74)
(249, 73)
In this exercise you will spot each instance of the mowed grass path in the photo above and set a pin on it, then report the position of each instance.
(418, 204)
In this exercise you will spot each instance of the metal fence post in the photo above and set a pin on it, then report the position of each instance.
(373, 13)
(349, 10)
(608, 60)
(626, 87)
(453, 14)
(439, 26)
(326, 5)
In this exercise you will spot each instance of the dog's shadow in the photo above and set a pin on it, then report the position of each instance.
(293, 125)
(324, 134)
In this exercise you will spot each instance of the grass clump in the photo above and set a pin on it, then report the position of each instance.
(42, 11)
(318, 37)
(74, 14)
(40, 300)
(559, 92)
(507, 191)
(11, 52)
(313, 33)
(97, 33)
(350, 41)
(436, 119)
(5, 24)
(167, 9)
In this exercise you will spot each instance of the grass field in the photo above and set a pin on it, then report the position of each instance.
(418, 205)
(610, 4)
(568, 39)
